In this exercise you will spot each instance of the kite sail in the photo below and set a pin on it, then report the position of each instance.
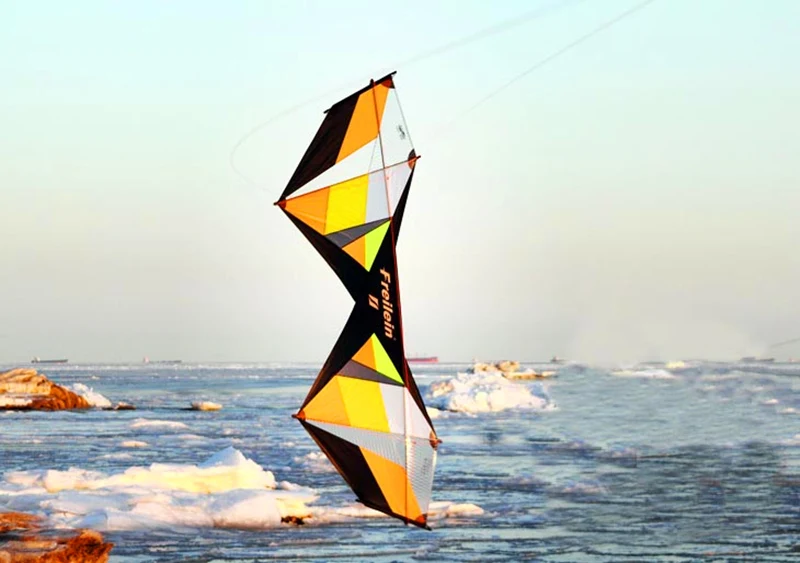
(364, 410)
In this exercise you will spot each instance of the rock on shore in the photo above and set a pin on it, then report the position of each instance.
(26, 389)
(24, 540)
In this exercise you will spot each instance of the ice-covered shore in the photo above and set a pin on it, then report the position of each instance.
(227, 490)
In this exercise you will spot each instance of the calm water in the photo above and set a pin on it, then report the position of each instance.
(703, 466)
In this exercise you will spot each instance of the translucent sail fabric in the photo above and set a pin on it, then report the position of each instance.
(364, 410)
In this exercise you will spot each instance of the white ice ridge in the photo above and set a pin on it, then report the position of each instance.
(486, 392)
(647, 373)
(92, 397)
(226, 490)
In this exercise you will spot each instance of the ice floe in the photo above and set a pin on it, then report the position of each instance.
(134, 444)
(205, 406)
(485, 392)
(152, 424)
(227, 490)
(315, 462)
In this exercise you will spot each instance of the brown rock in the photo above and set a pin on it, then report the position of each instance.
(25, 389)
(507, 366)
(296, 520)
(23, 540)
(10, 521)
(24, 381)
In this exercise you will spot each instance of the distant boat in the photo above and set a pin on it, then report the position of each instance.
(147, 360)
(423, 360)
(38, 360)
(753, 359)
(556, 360)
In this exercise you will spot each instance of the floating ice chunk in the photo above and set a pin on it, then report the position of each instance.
(230, 457)
(133, 444)
(245, 509)
(146, 423)
(223, 471)
(52, 480)
(316, 462)
(73, 478)
(287, 486)
(451, 510)
(118, 456)
(205, 406)
(25, 478)
(354, 510)
(486, 392)
(650, 373)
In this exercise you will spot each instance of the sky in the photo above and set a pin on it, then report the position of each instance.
(636, 197)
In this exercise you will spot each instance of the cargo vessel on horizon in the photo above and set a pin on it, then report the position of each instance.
(423, 360)
(38, 360)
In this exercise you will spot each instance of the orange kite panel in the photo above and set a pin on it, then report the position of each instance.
(311, 208)
(364, 123)
(366, 356)
(358, 250)
(396, 488)
(328, 405)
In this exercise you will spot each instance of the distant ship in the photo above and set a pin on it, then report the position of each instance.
(423, 360)
(147, 360)
(752, 359)
(38, 360)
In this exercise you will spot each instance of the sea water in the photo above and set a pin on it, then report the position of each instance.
(687, 462)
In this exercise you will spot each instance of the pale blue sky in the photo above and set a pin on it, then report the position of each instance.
(635, 198)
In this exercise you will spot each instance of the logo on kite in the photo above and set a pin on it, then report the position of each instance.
(385, 302)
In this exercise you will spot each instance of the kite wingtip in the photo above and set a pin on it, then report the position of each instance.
(421, 522)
